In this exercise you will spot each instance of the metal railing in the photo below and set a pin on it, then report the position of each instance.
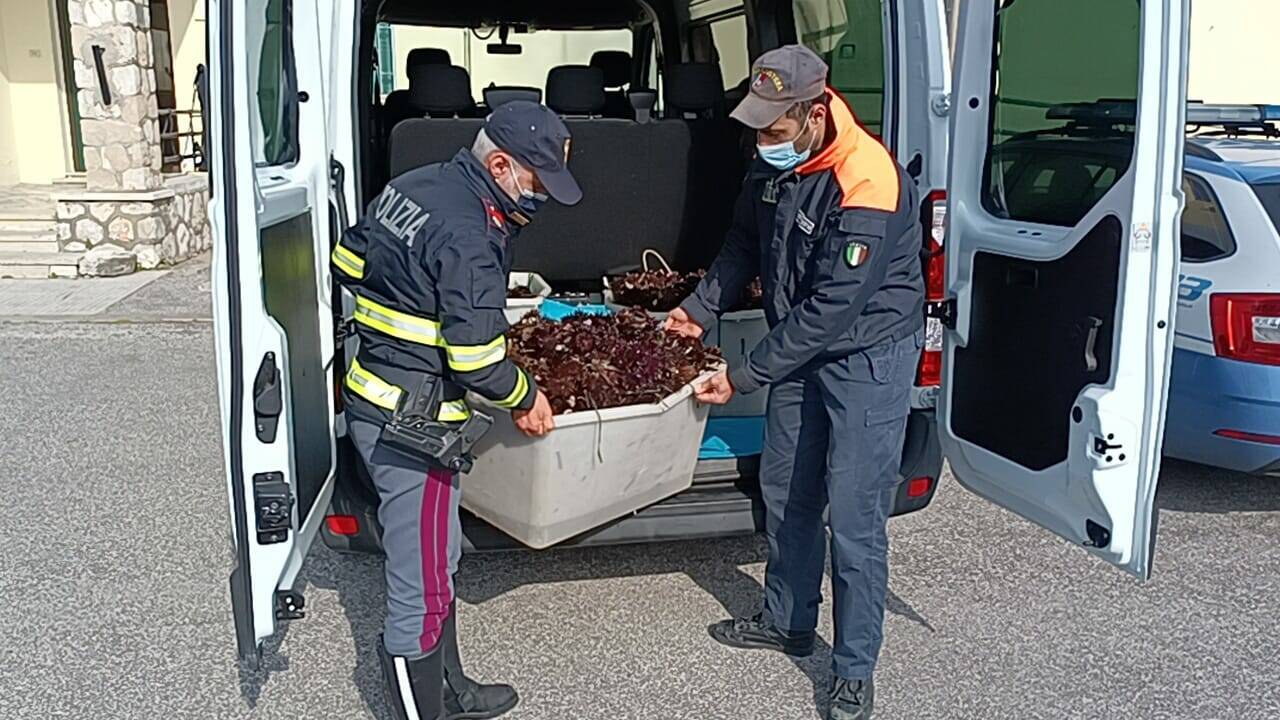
(181, 150)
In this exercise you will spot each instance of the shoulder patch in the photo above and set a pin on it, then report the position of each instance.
(856, 253)
(494, 216)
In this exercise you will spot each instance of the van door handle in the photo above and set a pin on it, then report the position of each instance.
(1090, 359)
(267, 399)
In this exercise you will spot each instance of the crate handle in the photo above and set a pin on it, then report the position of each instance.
(644, 259)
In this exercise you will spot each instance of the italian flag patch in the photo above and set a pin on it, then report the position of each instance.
(856, 253)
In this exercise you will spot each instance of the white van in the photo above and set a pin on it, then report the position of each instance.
(1049, 388)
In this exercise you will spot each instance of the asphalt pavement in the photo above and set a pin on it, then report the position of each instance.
(114, 602)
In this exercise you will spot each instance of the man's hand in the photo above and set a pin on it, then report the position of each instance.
(679, 322)
(537, 420)
(715, 390)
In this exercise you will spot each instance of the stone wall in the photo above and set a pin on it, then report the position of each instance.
(162, 226)
(120, 127)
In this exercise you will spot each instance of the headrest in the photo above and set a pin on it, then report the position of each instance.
(427, 56)
(576, 90)
(495, 95)
(616, 65)
(642, 101)
(692, 88)
(440, 89)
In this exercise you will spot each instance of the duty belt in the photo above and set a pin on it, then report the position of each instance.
(387, 396)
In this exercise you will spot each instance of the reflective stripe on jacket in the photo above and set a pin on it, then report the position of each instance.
(428, 265)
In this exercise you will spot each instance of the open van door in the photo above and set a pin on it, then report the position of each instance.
(274, 335)
(1062, 247)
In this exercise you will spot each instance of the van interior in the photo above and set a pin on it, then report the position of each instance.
(644, 87)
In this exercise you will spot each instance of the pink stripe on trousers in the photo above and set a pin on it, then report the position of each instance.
(434, 529)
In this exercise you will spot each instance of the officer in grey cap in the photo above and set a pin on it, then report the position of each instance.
(827, 219)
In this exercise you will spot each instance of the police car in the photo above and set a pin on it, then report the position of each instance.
(1050, 337)
(1224, 391)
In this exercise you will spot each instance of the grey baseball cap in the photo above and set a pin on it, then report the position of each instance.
(780, 78)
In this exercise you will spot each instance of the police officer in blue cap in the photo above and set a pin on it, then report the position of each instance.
(428, 267)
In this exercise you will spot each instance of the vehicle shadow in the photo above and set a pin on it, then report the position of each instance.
(357, 580)
(716, 566)
(1188, 487)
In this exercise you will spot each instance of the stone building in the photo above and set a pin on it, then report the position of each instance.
(118, 186)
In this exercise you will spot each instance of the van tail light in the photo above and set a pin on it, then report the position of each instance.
(1246, 326)
(346, 525)
(919, 487)
(933, 216)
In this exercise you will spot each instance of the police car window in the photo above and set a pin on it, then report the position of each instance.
(275, 87)
(849, 35)
(1065, 87)
(1269, 195)
(1206, 235)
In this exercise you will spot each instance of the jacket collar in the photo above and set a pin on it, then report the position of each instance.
(848, 138)
(482, 184)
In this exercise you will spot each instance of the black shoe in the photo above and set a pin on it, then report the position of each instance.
(755, 632)
(852, 699)
(413, 687)
(464, 698)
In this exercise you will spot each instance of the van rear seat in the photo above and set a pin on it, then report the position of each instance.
(397, 106)
(616, 65)
(693, 93)
(634, 179)
(444, 92)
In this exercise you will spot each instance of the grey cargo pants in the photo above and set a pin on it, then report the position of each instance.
(421, 537)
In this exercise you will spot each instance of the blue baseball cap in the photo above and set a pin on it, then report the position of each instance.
(538, 138)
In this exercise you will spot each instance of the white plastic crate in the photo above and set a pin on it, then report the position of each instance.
(736, 334)
(519, 307)
(596, 466)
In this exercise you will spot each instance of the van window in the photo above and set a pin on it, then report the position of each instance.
(1205, 232)
(386, 77)
(541, 51)
(730, 38)
(849, 35)
(1065, 74)
(276, 82)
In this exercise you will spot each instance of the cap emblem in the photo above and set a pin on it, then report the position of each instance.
(765, 74)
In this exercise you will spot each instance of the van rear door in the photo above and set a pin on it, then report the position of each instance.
(1062, 248)
(274, 334)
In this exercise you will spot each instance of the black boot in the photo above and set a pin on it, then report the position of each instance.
(464, 698)
(759, 633)
(413, 687)
(851, 699)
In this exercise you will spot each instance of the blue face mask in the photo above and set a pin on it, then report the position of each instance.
(529, 201)
(784, 156)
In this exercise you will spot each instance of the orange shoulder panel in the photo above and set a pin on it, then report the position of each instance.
(864, 169)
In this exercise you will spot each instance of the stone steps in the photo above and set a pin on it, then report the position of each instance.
(38, 240)
(31, 225)
(38, 264)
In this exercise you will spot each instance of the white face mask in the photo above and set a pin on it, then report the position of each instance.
(522, 191)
